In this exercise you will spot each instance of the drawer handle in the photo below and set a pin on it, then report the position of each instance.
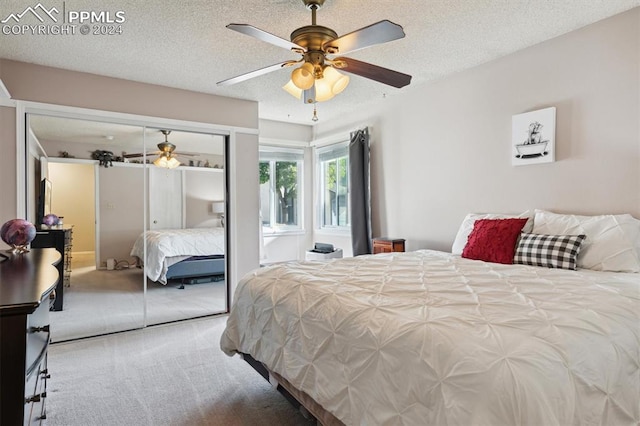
(39, 329)
(36, 398)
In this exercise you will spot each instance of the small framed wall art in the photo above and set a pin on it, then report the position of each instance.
(533, 138)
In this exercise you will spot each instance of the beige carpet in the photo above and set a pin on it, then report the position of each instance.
(171, 374)
(101, 301)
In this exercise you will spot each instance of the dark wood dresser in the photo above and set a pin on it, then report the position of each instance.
(60, 239)
(26, 283)
(387, 245)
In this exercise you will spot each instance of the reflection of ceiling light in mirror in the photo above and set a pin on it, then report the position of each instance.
(167, 163)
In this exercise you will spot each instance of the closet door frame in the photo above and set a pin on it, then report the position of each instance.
(229, 133)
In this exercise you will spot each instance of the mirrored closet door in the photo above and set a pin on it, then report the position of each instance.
(185, 236)
(140, 214)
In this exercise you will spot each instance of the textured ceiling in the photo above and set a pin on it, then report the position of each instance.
(185, 44)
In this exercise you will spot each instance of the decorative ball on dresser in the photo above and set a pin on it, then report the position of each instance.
(50, 220)
(18, 233)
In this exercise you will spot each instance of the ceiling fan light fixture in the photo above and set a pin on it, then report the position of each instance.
(323, 90)
(166, 162)
(160, 161)
(303, 77)
(172, 163)
(293, 90)
(336, 80)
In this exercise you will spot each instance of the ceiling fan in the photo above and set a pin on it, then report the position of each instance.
(318, 79)
(166, 156)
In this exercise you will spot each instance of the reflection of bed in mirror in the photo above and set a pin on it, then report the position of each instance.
(181, 253)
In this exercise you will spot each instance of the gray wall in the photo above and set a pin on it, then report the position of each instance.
(7, 165)
(443, 149)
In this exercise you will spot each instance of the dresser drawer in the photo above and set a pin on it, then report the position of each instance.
(36, 394)
(37, 335)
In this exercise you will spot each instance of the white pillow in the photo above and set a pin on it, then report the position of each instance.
(612, 243)
(467, 226)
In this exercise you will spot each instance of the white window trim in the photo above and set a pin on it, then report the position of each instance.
(271, 154)
(321, 229)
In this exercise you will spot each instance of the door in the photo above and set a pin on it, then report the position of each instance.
(165, 198)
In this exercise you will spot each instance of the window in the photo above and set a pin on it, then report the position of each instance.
(333, 168)
(281, 188)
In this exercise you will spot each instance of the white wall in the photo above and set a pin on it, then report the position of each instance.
(201, 188)
(121, 210)
(443, 149)
(244, 201)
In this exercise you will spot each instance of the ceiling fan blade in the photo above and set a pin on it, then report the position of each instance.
(252, 31)
(374, 72)
(380, 32)
(140, 154)
(256, 73)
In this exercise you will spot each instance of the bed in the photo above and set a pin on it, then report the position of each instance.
(181, 253)
(429, 337)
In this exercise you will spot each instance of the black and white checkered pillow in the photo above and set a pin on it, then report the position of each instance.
(551, 251)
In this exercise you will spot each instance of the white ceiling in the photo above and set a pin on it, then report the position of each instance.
(185, 44)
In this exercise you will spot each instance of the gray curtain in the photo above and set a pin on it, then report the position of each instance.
(360, 194)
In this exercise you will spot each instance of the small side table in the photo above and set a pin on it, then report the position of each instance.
(387, 245)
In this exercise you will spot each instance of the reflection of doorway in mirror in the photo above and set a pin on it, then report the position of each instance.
(74, 200)
(165, 198)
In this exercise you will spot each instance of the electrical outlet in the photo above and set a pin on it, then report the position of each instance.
(111, 206)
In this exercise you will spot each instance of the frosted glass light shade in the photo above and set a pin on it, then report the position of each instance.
(336, 80)
(293, 90)
(303, 77)
(170, 163)
(323, 90)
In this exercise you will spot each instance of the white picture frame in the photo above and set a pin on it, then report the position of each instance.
(533, 139)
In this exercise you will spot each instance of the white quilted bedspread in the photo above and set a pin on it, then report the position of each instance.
(165, 244)
(428, 338)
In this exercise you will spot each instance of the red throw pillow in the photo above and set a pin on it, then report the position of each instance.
(493, 240)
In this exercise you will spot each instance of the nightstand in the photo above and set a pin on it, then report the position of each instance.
(387, 245)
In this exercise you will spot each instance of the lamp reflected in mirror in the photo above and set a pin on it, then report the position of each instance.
(217, 208)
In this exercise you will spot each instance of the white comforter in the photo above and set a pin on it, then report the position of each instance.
(168, 246)
(428, 338)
